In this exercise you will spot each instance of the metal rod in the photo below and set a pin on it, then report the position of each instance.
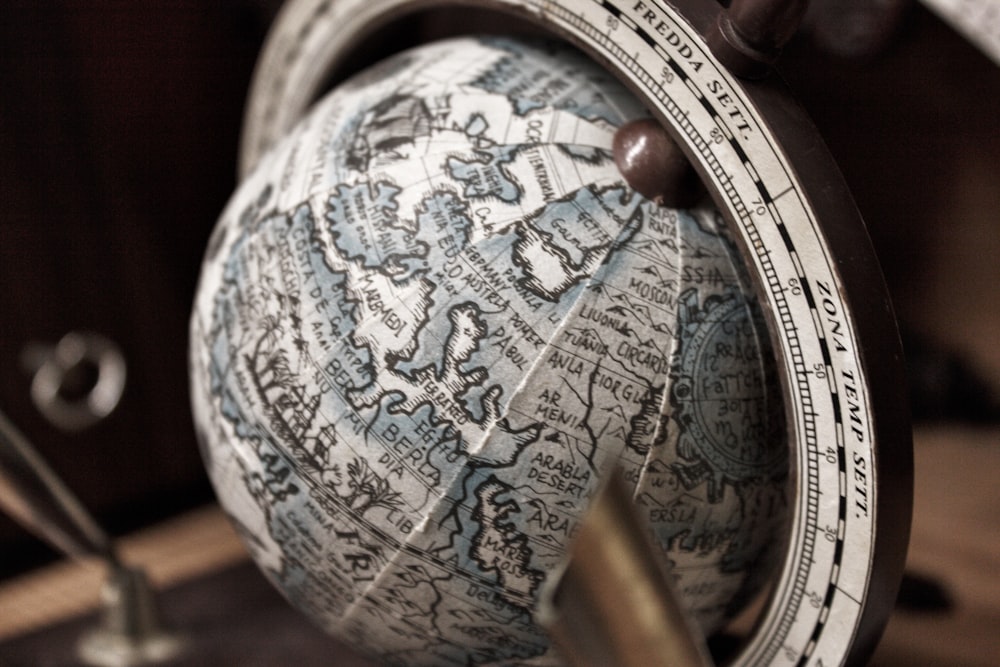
(612, 603)
(38, 499)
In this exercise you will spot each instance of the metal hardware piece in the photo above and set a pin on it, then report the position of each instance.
(747, 37)
(78, 382)
(130, 633)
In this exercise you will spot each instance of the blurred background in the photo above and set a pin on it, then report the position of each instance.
(119, 125)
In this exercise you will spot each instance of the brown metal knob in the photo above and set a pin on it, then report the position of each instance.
(654, 165)
(748, 36)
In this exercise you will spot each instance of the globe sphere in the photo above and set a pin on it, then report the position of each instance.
(435, 317)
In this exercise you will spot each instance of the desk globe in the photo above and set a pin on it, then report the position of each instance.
(435, 317)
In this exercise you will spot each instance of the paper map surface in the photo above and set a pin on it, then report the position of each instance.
(431, 322)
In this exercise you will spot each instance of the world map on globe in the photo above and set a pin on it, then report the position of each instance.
(435, 317)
